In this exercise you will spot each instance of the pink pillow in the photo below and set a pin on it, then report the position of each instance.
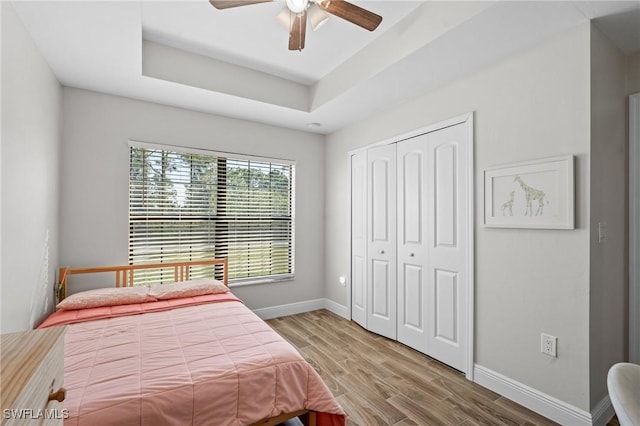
(106, 297)
(187, 289)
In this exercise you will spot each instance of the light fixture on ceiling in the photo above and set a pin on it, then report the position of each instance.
(317, 17)
(297, 6)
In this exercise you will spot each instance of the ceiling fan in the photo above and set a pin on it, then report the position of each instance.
(297, 11)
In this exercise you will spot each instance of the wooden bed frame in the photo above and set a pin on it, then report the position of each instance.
(181, 272)
(124, 273)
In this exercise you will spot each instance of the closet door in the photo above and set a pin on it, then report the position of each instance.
(448, 264)
(412, 243)
(359, 238)
(381, 250)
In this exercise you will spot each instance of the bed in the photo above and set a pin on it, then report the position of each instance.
(194, 359)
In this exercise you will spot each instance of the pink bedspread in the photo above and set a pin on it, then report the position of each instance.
(63, 317)
(202, 364)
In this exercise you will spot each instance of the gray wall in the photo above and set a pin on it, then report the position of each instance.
(633, 73)
(533, 105)
(30, 174)
(95, 176)
(607, 296)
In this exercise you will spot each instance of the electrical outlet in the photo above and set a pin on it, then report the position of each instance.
(549, 345)
(343, 281)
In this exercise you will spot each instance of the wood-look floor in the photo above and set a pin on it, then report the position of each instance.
(381, 382)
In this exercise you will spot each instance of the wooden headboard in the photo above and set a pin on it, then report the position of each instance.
(124, 273)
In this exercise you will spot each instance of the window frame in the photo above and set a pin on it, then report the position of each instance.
(242, 281)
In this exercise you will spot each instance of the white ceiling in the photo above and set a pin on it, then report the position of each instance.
(235, 62)
(251, 36)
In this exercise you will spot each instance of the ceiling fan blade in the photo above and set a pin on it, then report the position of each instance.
(298, 31)
(352, 13)
(227, 4)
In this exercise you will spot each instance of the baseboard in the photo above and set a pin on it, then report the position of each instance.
(336, 308)
(290, 309)
(301, 307)
(543, 404)
(603, 412)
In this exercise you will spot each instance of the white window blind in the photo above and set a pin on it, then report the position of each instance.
(190, 206)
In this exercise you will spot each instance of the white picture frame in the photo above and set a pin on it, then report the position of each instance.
(535, 194)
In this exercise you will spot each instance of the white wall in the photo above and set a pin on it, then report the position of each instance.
(608, 320)
(171, 64)
(95, 176)
(30, 177)
(533, 105)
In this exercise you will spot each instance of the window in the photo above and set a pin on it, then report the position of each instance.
(190, 205)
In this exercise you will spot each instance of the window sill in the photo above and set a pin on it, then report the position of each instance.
(256, 281)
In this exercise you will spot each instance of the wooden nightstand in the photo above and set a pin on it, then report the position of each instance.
(31, 377)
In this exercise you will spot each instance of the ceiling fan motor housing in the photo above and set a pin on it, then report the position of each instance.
(297, 6)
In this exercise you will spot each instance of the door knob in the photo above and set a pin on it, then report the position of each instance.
(59, 395)
(381, 251)
(411, 255)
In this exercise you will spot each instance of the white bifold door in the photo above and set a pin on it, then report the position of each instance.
(433, 243)
(359, 238)
(381, 249)
(414, 286)
(413, 237)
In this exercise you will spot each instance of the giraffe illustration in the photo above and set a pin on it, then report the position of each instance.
(532, 194)
(508, 205)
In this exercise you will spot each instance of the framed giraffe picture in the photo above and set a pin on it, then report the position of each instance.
(533, 194)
